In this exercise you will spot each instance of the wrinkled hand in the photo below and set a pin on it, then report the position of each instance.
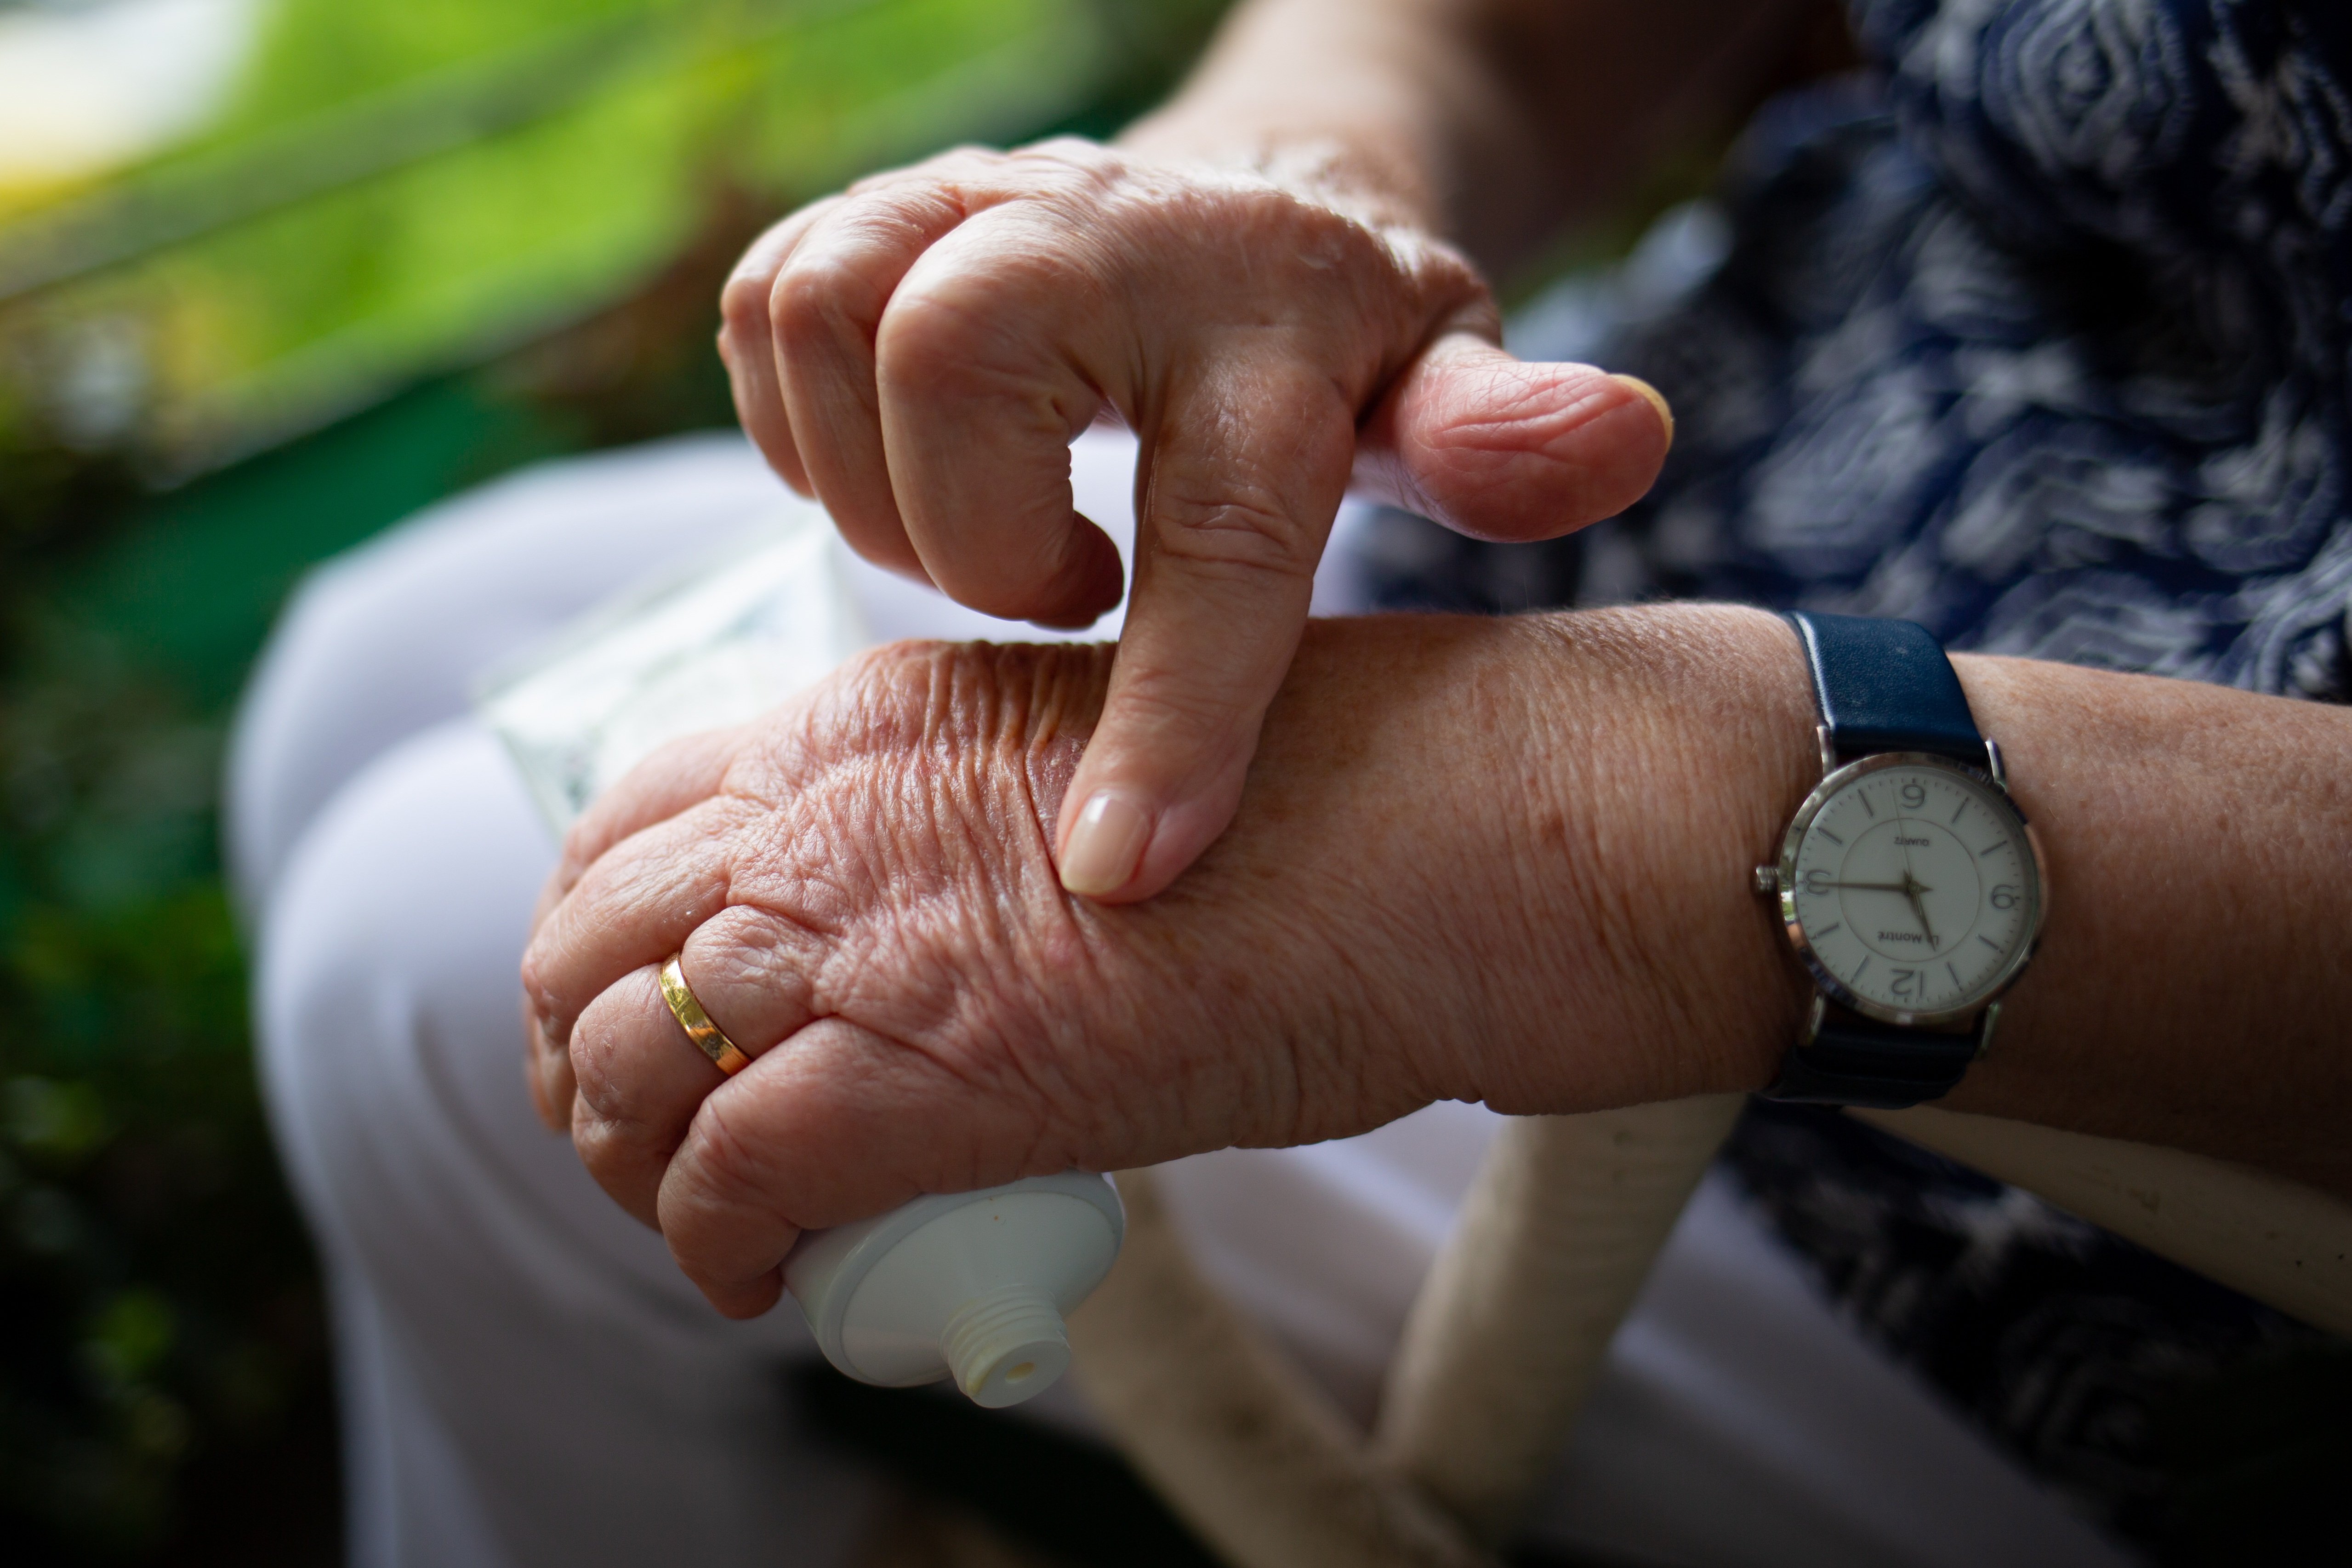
(1429, 891)
(919, 351)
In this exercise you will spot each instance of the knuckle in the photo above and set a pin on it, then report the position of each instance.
(607, 1092)
(752, 960)
(538, 988)
(534, 976)
(935, 335)
(600, 1141)
(1063, 156)
(1070, 148)
(743, 304)
(944, 167)
(587, 838)
(725, 1169)
(978, 314)
(740, 947)
(816, 299)
(1242, 531)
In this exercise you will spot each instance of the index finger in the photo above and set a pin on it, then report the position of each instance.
(1240, 483)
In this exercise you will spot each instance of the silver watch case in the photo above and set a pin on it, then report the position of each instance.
(1835, 778)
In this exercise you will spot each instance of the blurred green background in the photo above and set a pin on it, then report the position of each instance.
(273, 274)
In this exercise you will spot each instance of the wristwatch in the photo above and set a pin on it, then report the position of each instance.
(1910, 884)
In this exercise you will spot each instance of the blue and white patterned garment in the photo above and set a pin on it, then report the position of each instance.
(2040, 334)
(2048, 353)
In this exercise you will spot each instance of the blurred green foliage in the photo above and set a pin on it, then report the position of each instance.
(395, 185)
(428, 240)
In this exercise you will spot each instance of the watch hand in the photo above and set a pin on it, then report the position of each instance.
(1867, 887)
(1911, 889)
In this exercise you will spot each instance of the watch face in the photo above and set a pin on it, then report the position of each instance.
(1912, 887)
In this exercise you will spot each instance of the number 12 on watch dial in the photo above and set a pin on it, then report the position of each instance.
(1911, 886)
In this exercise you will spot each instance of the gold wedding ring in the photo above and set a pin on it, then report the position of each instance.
(724, 1052)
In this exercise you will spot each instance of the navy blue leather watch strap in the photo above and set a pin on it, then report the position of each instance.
(1851, 1060)
(1885, 686)
(1882, 686)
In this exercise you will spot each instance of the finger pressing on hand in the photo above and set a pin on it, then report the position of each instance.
(1503, 448)
(1239, 481)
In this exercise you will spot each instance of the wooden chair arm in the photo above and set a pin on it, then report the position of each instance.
(1554, 1239)
(1565, 1218)
(2278, 1241)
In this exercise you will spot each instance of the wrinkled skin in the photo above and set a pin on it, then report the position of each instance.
(1417, 888)
(918, 353)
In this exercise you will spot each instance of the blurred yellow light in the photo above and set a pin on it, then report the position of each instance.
(88, 89)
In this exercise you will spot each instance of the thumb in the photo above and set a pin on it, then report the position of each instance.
(1505, 448)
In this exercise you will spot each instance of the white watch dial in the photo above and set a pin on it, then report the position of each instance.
(1914, 887)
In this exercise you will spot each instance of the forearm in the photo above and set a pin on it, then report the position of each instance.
(2195, 968)
(1507, 859)
(2194, 978)
(1487, 122)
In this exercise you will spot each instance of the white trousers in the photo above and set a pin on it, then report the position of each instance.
(528, 1380)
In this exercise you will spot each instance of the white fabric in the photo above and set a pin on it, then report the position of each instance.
(527, 1379)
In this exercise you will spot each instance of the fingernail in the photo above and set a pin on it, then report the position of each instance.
(1657, 401)
(1103, 845)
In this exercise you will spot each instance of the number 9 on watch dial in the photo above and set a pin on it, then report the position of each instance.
(1912, 887)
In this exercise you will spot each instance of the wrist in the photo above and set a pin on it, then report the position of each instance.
(1357, 170)
(1355, 129)
(1667, 746)
(1374, 100)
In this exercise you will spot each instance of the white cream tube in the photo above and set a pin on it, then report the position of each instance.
(972, 1286)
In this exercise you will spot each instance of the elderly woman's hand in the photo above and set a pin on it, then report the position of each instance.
(919, 351)
(1483, 859)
